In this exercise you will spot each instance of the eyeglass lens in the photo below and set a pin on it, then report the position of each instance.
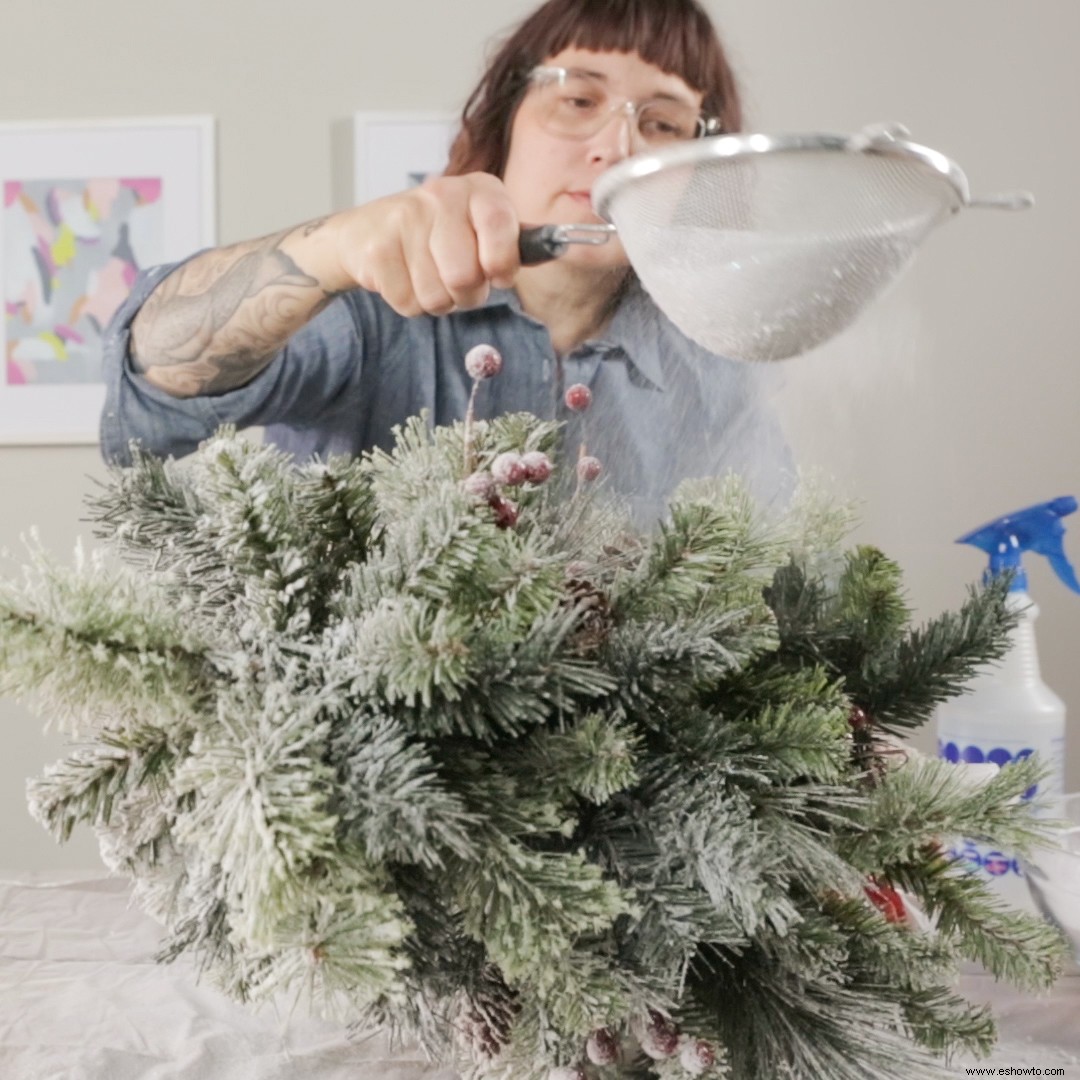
(578, 105)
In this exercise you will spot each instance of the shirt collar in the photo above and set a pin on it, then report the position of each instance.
(637, 331)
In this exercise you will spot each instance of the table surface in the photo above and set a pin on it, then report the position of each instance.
(1035, 1031)
(82, 999)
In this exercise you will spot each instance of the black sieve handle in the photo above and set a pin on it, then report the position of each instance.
(540, 244)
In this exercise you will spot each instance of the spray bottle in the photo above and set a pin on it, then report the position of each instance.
(1008, 712)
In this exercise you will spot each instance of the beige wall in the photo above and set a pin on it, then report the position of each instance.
(954, 402)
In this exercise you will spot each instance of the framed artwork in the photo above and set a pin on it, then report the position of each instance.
(394, 151)
(87, 205)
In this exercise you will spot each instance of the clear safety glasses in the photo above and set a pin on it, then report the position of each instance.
(578, 104)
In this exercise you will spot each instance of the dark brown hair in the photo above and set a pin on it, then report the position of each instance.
(676, 36)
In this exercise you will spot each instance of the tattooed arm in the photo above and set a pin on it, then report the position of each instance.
(220, 319)
(215, 323)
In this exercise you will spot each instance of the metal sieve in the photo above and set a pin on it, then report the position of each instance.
(762, 247)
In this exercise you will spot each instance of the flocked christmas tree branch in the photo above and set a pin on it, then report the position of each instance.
(437, 740)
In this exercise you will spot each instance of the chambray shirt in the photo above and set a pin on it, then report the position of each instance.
(663, 408)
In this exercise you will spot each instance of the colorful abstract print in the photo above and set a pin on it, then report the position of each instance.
(71, 250)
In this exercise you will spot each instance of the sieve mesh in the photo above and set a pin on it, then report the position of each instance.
(764, 256)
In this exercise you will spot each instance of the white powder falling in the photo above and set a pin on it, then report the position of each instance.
(754, 296)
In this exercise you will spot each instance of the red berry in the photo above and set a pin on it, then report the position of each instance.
(479, 485)
(697, 1056)
(602, 1047)
(589, 468)
(483, 361)
(659, 1036)
(858, 719)
(509, 469)
(537, 466)
(578, 397)
(887, 900)
(506, 512)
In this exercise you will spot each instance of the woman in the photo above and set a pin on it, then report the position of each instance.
(333, 332)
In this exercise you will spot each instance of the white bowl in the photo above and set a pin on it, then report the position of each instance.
(1053, 873)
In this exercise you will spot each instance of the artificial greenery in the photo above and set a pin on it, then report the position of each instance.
(512, 778)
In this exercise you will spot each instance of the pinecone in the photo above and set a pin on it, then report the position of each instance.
(489, 1016)
(596, 621)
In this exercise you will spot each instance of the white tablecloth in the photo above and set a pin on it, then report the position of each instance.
(82, 999)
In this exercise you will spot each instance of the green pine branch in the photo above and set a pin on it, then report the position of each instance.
(86, 786)
(928, 799)
(125, 651)
(775, 1024)
(709, 551)
(1019, 948)
(948, 1024)
(529, 907)
(937, 661)
(357, 738)
(592, 758)
(391, 800)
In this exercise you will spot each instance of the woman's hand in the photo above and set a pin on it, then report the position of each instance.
(214, 323)
(434, 248)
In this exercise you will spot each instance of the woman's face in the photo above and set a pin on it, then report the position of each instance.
(549, 176)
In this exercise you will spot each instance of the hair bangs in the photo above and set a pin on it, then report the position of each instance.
(674, 36)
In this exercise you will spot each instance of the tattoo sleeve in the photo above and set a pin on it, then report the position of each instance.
(216, 322)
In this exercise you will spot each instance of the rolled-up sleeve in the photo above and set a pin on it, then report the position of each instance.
(322, 362)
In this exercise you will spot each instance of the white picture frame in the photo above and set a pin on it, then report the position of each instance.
(87, 204)
(393, 151)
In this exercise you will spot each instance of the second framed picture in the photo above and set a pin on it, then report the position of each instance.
(395, 151)
(87, 205)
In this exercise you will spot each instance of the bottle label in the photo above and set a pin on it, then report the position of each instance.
(960, 753)
(987, 862)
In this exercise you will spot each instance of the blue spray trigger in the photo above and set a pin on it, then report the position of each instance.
(1036, 528)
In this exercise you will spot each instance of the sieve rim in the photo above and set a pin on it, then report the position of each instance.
(633, 169)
